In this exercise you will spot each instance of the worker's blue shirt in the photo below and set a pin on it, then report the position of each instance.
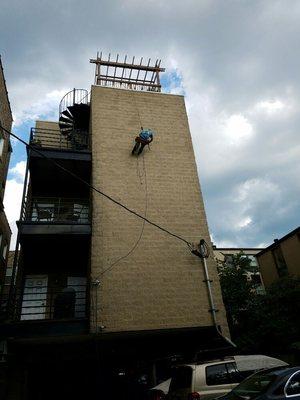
(146, 134)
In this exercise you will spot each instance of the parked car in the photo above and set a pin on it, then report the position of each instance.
(276, 383)
(215, 378)
(160, 391)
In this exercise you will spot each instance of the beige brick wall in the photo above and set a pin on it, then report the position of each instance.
(291, 253)
(290, 248)
(47, 134)
(160, 284)
(6, 122)
(5, 112)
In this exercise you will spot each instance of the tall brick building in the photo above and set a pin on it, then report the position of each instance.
(281, 258)
(103, 287)
(5, 151)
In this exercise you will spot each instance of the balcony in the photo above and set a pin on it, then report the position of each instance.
(71, 151)
(48, 306)
(38, 301)
(54, 215)
(53, 139)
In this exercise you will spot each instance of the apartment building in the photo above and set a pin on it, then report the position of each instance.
(5, 152)
(281, 258)
(225, 254)
(105, 278)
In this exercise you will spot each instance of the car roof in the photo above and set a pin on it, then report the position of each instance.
(280, 371)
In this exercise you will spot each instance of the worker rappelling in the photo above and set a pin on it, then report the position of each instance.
(145, 138)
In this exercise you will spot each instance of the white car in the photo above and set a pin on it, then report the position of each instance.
(215, 378)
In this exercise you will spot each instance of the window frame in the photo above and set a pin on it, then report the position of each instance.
(4, 247)
(229, 380)
(287, 383)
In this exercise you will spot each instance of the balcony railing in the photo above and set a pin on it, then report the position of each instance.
(53, 139)
(56, 210)
(38, 301)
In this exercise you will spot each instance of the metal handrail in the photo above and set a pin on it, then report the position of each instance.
(56, 210)
(52, 138)
(74, 96)
(51, 302)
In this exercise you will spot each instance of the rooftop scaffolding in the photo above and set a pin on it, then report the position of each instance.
(127, 75)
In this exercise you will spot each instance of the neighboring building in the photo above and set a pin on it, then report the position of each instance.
(281, 258)
(5, 152)
(97, 288)
(7, 282)
(222, 255)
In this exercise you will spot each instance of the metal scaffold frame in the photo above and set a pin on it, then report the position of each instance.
(126, 75)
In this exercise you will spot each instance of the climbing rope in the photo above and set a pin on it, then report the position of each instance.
(141, 232)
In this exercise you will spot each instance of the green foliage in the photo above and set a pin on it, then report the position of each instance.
(271, 322)
(260, 323)
(237, 289)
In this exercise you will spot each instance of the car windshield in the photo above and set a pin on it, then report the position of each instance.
(254, 385)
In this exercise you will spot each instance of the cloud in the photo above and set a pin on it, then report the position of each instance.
(237, 129)
(46, 107)
(12, 206)
(18, 171)
(237, 64)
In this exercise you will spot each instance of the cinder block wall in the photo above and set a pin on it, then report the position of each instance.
(160, 284)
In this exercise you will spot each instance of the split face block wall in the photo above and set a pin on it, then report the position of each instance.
(160, 283)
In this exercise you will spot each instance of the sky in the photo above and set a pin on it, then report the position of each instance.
(236, 62)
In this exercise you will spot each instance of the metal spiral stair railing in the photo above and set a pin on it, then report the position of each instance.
(74, 112)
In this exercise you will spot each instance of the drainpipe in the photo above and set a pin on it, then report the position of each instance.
(201, 250)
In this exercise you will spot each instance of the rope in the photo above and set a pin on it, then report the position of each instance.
(29, 146)
(142, 230)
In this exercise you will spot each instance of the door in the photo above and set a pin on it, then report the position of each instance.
(218, 381)
(78, 283)
(34, 300)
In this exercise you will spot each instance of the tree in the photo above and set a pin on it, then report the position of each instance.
(237, 287)
(271, 322)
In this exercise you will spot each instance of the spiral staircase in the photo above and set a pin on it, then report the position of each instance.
(74, 117)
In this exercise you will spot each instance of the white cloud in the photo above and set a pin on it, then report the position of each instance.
(244, 222)
(46, 105)
(256, 189)
(271, 106)
(237, 129)
(12, 205)
(18, 171)
(242, 104)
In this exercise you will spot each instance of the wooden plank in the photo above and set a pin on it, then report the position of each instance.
(127, 65)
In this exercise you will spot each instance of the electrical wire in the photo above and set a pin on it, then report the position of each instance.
(141, 233)
(29, 146)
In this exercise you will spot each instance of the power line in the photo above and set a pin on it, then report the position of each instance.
(141, 233)
(97, 190)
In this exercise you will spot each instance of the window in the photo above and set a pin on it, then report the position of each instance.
(4, 251)
(228, 260)
(280, 262)
(1, 144)
(253, 261)
(217, 375)
(293, 385)
(234, 375)
(255, 385)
